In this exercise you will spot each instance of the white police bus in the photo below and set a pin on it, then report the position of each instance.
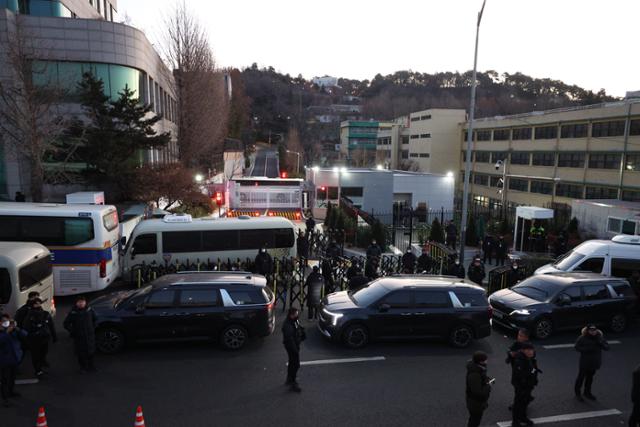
(82, 238)
(181, 239)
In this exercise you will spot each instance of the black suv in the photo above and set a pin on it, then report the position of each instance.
(546, 303)
(228, 306)
(406, 306)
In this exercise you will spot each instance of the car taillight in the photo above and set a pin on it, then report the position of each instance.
(490, 311)
(103, 268)
(270, 306)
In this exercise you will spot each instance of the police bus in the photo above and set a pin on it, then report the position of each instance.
(181, 239)
(83, 240)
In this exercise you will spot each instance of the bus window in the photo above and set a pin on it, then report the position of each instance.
(284, 238)
(145, 244)
(220, 240)
(77, 231)
(256, 239)
(181, 241)
(5, 286)
(48, 231)
(34, 273)
(591, 264)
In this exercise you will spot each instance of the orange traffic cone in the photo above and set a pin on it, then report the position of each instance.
(42, 420)
(139, 418)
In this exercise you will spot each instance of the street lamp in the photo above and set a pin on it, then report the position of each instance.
(467, 168)
(297, 161)
(199, 178)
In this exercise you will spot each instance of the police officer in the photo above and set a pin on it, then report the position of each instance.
(634, 419)
(456, 269)
(292, 335)
(374, 250)
(21, 313)
(452, 235)
(478, 388)
(501, 251)
(536, 234)
(40, 329)
(333, 250)
(81, 324)
(476, 272)
(314, 285)
(487, 248)
(514, 275)
(425, 262)
(302, 245)
(408, 261)
(311, 225)
(524, 378)
(264, 262)
(590, 345)
(353, 269)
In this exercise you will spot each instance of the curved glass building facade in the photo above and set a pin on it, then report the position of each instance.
(38, 8)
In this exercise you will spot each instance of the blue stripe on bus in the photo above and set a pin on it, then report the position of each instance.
(80, 256)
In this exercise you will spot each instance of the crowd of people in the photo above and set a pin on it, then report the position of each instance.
(521, 356)
(31, 330)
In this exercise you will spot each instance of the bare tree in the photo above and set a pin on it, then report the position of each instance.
(200, 88)
(29, 120)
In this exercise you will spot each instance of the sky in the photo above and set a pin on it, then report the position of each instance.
(591, 43)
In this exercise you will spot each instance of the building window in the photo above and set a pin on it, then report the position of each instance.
(576, 130)
(601, 193)
(542, 187)
(483, 157)
(543, 159)
(519, 158)
(425, 135)
(632, 162)
(495, 181)
(569, 190)
(425, 155)
(426, 117)
(635, 127)
(483, 135)
(605, 129)
(416, 136)
(497, 156)
(480, 179)
(518, 184)
(413, 155)
(501, 134)
(571, 160)
(404, 154)
(631, 195)
(405, 140)
(415, 119)
(547, 132)
(604, 161)
(521, 134)
(352, 191)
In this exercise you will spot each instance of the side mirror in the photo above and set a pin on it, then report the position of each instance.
(383, 308)
(123, 241)
(140, 308)
(564, 299)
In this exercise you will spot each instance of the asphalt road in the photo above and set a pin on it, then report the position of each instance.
(266, 163)
(196, 384)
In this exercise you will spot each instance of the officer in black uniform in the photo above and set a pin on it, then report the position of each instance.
(292, 335)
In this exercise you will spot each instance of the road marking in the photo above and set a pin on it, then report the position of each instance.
(337, 361)
(568, 417)
(556, 346)
(27, 381)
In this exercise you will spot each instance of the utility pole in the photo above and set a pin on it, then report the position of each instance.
(467, 169)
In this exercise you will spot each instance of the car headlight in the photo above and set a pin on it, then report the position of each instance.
(521, 312)
(333, 316)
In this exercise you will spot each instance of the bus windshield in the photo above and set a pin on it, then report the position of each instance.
(568, 261)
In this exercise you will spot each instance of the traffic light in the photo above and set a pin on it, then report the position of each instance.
(219, 198)
(283, 174)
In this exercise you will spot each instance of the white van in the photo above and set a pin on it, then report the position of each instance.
(179, 238)
(618, 257)
(25, 267)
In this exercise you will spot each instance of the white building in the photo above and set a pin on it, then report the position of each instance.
(326, 81)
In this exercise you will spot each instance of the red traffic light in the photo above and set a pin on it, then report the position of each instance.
(219, 198)
(283, 174)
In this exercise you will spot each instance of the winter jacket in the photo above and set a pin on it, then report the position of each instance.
(21, 313)
(478, 388)
(292, 334)
(81, 324)
(409, 262)
(425, 263)
(452, 231)
(311, 224)
(314, 285)
(358, 281)
(501, 249)
(590, 349)
(264, 263)
(39, 325)
(487, 245)
(10, 348)
(476, 273)
(352, 271)
(333, 251)
(635, 387)
(374, 250)
(303, 247)
(514, 276)
(524, 374)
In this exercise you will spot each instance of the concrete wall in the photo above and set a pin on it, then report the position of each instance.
(435, 190)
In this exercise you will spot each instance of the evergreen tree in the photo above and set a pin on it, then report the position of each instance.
(437, 233)
(115, 132)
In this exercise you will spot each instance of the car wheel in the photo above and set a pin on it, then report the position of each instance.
(355, 336)
(543, 329)
(461, 336)
(110, 340)
(618, 323)
(234, 337)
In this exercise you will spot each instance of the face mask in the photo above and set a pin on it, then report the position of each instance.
(6, 324)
